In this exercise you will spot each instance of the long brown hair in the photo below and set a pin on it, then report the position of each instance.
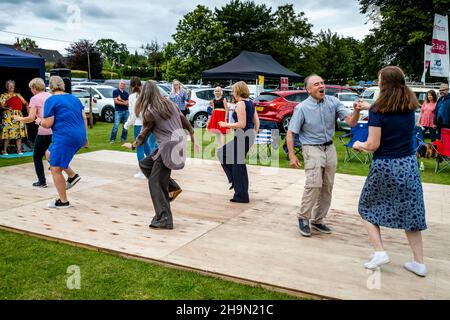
(135, 84)
(395, 96)
(150, 97)
(433, 94)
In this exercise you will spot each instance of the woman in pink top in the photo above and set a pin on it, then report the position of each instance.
(44, 136)
(426, 119)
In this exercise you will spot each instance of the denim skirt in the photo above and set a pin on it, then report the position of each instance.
(393, 196)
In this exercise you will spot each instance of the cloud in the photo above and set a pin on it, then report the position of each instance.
(95, 11)
(50, 12)
(4, 24)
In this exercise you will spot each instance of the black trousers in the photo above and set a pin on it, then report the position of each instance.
(160, 184)
(232, 158)
(41, 145)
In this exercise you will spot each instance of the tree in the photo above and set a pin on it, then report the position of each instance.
(206, 39)
(247, 26)
(27, 44)
(332, 57)
(200, 44)
(112, 50)
(137, 65)
(292, 34)
(404, 28)
(155, 57)
(78, 58)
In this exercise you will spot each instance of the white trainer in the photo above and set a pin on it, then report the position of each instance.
(419, 269)
(140, 175)
(378, 259)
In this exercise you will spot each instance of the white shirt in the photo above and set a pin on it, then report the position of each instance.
(132, 119)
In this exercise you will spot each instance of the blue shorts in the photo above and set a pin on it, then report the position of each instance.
(61, 155)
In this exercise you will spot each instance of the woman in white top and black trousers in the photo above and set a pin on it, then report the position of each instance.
(150, 144)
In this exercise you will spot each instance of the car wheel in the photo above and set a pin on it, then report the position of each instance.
(201, 120)
(285, 124)
(108, 114)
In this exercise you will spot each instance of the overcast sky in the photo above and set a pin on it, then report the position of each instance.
(137, 22)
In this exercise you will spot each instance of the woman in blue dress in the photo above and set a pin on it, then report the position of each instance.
(64, 113)
(232, 155)
(392, 196)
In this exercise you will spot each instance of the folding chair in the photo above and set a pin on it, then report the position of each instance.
(297, 147)
(360, 132)
(442, 149)
(266, 139)
(418, 141)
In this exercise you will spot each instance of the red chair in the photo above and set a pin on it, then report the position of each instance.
(442, 149)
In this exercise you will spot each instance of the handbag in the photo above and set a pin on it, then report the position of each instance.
(209, 110)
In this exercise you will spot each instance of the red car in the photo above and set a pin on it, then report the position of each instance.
(278, 106)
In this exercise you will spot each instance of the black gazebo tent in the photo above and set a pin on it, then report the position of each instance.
(248, 66)
(20, 67)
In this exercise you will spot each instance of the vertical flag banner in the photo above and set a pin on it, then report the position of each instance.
(284, 83)
(426, 61)
(439, 64)
(259, 86)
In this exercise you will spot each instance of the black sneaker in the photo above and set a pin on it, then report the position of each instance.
(304, 229)
(58, 204)
(37, 184)
(161, 224)
(321, 227)
(72, 181)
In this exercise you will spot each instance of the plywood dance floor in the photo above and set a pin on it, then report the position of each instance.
(257, 242)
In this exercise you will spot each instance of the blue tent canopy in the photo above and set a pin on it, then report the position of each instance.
(12, 58)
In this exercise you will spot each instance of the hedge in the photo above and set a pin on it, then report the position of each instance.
(108, 74)
(79, 74)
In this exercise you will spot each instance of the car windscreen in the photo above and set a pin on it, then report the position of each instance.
(266, 97)
(368, 94)
(297, 97)
(348, 97)
(106, 92)
(80, 93)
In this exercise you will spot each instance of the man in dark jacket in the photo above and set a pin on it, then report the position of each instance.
(442, 117)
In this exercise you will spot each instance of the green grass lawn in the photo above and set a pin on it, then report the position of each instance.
(32, 268)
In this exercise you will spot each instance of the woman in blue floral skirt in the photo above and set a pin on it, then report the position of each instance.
(392, 195)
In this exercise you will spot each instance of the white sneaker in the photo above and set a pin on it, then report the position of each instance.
(419, 269)
(378, 259)
(140, 175)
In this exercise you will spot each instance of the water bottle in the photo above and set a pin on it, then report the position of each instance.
(422, 166)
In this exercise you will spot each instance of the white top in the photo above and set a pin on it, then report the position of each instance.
(132, 119)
